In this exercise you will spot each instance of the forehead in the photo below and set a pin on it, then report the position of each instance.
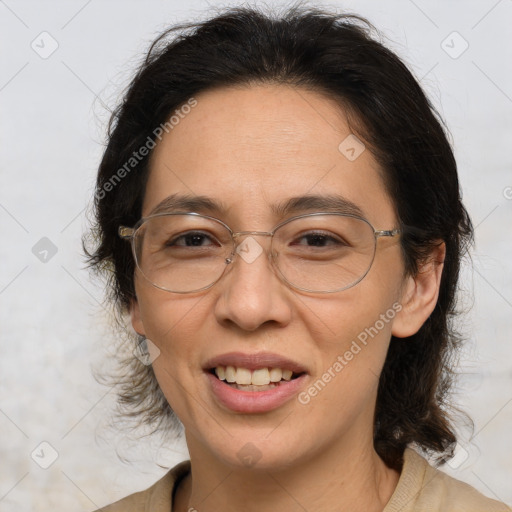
(251, 148)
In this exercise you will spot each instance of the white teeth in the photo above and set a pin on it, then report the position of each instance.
(243, 376)
(259, 377)
(287, 374)
(230, 373)
(276, 374)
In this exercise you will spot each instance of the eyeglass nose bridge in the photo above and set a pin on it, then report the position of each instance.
(237, 234)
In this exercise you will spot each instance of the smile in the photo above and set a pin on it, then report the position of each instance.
(245, 379)
(254, 383)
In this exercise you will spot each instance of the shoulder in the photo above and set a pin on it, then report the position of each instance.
(157, 498)
(423, 488)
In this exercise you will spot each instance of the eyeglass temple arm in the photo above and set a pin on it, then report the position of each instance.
(388, 232)
(125, 232)
(405, 229)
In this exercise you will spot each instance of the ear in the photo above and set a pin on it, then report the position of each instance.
(135, 317)
(419, 294)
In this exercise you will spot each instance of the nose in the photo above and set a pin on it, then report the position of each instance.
(251, 294)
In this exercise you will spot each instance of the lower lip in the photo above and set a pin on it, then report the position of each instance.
(255, 401)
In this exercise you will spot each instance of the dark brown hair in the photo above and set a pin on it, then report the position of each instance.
(337, 55)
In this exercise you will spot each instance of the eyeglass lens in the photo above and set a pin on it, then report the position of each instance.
(322, 253)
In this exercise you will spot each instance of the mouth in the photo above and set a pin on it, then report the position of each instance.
(259, 379)
(254, 383)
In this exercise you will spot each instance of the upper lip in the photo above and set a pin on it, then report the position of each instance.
(255, 361)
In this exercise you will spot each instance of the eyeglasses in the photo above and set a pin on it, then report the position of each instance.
(315, 252)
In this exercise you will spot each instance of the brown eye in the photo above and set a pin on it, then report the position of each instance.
(191, 239)
(318, 239)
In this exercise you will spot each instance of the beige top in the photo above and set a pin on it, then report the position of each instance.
(421, 488)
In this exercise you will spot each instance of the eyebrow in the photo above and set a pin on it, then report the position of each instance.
(299, 204)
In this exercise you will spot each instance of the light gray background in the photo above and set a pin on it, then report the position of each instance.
(52, 325)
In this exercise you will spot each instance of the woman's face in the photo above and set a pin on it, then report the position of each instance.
(249, 149)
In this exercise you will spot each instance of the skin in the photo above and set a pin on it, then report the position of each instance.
(252, 147)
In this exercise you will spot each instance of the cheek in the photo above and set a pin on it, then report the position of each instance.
(174, 325)
(351, 334)
(351, 352)
(163, 313)
(359, 313)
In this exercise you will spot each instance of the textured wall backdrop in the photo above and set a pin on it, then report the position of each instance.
(57, 58)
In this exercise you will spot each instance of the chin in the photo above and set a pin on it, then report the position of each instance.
(251, 452)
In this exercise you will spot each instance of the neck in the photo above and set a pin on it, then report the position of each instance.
(346, 477)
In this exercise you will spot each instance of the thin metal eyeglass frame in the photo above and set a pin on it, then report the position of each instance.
(129, 234)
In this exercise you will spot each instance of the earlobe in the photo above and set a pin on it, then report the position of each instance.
(136, 318)
(420, 294)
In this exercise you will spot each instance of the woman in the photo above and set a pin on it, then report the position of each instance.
(278, 210)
